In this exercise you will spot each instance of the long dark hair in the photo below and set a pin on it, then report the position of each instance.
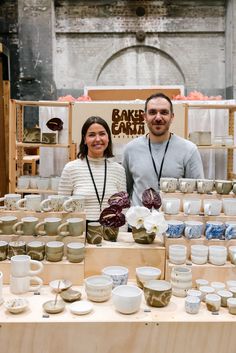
(83, 148)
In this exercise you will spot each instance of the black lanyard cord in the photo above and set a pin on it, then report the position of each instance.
(100, 201)
(163, 158)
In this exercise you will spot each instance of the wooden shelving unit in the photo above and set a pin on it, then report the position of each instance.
(17, 146)
(231, 110)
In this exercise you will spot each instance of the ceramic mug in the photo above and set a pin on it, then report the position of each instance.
(54, 203)
(171, 205)
(55, 181)
(223, 186)
(6, 224)
(21, 266)
(23, 182)
(187, 185)
(26, 226)
(192, 206)
(204, 186)
(193, 229)
(175, 229)
(168, 184)
(230, 230)
(19, 285)
(50, 226)
(29, 203)
(212, 207)
(72, 226)
(214, 230)
(74, 204)
(16, 248)
(10, 201)
(229, 206)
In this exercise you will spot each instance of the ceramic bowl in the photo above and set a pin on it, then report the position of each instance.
(60, 284)
(70, 295)
(127, 298)
(16, 305)
(118, 274)
(146, 273)
(157, 293)
(54, 308)
(98, 288)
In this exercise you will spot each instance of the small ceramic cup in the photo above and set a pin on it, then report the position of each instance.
(16, 248)
(213, 302)
(118, 274)
(157, 293)
(36, 250)
(217, 255)
(94, 233)
(192, 304)
(206, 290)
(193, 229)
(54, 251)
(75, 252)
(3, 250)
(217, 286)
(177, 254)
(168, 184)
(224, 295)
(194, 293)
(214, 230)
(231, 303)
(201, 282)
(199, 254)
(145, 274)
(171, 205)
(98, 288)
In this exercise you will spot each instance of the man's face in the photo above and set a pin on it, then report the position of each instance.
(158, 116)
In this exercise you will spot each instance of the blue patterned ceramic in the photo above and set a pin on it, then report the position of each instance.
(230, 231)
(193, 229)
(215, 230)
(175, 229)
(118, 274)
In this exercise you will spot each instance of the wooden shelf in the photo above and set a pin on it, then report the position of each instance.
(207, 271)
(35, 191)
(33, 145)
(213, 147)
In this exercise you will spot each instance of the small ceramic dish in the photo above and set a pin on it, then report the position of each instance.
(70, 295)
(63, 285)
(17, 305)
(51, 308)
(81, 308)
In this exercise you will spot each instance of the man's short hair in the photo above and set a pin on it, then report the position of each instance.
(158, 95)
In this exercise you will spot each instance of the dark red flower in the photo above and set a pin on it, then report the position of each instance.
(151, 199)
(120, 199)
(112, 217)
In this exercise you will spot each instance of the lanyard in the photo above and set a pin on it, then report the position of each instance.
(163, 158)
(100, 201)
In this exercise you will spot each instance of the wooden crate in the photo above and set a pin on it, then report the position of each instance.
(124, 252)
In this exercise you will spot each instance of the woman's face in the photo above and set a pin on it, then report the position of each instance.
(96, 140)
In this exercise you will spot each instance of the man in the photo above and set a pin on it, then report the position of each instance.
(159, 153)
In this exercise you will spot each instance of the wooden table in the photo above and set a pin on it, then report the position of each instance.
(160, 330)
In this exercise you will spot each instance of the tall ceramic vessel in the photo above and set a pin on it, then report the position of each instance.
(181, 281)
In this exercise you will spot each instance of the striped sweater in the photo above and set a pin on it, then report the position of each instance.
(76, 180)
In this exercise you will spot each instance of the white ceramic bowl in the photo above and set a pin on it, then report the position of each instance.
(147, 273)
(60, 284)
(16, 305)
(81, 307)
(118, 274)
(98, 288)
(127, 298)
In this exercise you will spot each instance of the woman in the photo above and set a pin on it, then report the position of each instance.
(93, 175)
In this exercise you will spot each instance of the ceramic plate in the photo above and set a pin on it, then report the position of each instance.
(51, 308)
(57, 287)
(81, 308)
(17, 305)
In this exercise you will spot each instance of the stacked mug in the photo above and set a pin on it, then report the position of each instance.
(22, 275)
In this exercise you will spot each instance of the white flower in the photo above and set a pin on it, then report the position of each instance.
(155, 223)
(136, 215)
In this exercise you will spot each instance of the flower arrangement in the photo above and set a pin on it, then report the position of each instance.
(148, 217)
(146, 221)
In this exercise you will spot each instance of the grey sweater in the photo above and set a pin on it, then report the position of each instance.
(182, 160)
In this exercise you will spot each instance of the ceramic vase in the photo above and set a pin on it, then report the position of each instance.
(142, 237)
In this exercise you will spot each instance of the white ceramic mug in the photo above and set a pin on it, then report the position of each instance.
(229, 206)
(212, 207)
(192, 206)
(29, 203)
(23, 182)
(19, 285)
(53, 203)
(21, 266)
(171, 205)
